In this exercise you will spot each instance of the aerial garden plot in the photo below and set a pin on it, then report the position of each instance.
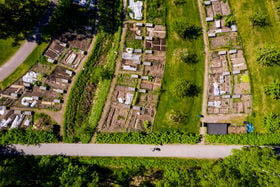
(229, 90)
(134, 98)
(44, 87)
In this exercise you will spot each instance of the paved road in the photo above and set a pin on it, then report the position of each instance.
(24, 51)
(128, 150)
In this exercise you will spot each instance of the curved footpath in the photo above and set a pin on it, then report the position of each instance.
(26, 49)
(123, 150)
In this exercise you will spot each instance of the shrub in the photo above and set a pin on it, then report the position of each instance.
(272, 123)
(273, 89)
(184, 88)
(229, 20)
(177, 116)
(163, 137)
(186, 30)
(259, 19)
(189, 58)
(245, 139)
(268, 56)
(218, 16)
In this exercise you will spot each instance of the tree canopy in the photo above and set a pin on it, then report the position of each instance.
(272, 123)
(186, 30)
(183, 88)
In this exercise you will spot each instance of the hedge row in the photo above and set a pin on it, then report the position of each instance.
(28, 136)
(165, 137)
(245, 139)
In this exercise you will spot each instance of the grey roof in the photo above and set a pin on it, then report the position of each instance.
(217, 128)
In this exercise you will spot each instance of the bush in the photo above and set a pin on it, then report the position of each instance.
(189, 58)
(272, 123)
(268, 56)
(186, 30)
(259, 19)
(164, 137)
(177, 116)
(229, 20)
(273, 89)
(184, 88)
(218, 16)
(245, 139)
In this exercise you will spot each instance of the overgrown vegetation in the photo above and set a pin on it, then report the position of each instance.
(272, 123)
(268, 56)
(176, 70)
(156, 11)
(252, 40)
(273, 89)
(163, 137)
(259, 19)
(249, 167)
(80, 118)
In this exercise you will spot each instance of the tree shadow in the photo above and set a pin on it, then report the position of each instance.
(6, 150)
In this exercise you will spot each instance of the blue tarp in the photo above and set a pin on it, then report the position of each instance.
(250, 127)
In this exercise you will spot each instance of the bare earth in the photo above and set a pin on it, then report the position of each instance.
(129, 150)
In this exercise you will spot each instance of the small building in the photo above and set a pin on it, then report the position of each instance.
(139, 37)
(131, 89)
(14, 95)
(65, 81)
(36, 98)
(149, 25)
(226, 73)
(138, 50)
(236, 72)
(2, 110)
(211, 35)
(26, 85)
(57, 101)
(137, 108)
(59, 91)
(147, 63)
(142, 90)
(149, 51)
(139, 24)
(138, 62)
(233, 28)
(17, 112)
(135, 76)
(129, 68)
(206, 3)
(43, 88)
(145, 77)
(236, 96)
(222, 52)
(218, 24)
(233, 51)
(217, 128)
(218, 31)
(70, 73)
(149, 38)
(225, 96)
(209, 19)
(28, 113)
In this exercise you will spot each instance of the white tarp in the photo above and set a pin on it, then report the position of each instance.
(216, 89)
(136, 8)
(30, 77)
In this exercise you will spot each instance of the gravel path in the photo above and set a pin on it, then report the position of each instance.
(127, 150)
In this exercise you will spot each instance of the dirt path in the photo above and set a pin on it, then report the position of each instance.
(121, 150)
(26, 49)
(206, 52)
(114, 80)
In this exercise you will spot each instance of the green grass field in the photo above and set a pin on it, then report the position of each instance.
(24, 67)
(176, 70)
(7, 49)
(253, 39)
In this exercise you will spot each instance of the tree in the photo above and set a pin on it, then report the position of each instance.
(268, 56)
(273, 89)
(272, 123)
(189, 58)
(177, 116)
(183, 88)
(259, 19)
(186, 30)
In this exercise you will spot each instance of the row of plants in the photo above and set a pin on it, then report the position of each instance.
(87, 97)
(27, 136)
(245, 139)
(163, 137)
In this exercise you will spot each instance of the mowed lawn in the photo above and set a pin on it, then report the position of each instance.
(253, 39)
(7, 49)
(177, 70)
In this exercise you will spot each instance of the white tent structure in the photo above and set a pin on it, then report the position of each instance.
(30, 77)
(136, 8)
